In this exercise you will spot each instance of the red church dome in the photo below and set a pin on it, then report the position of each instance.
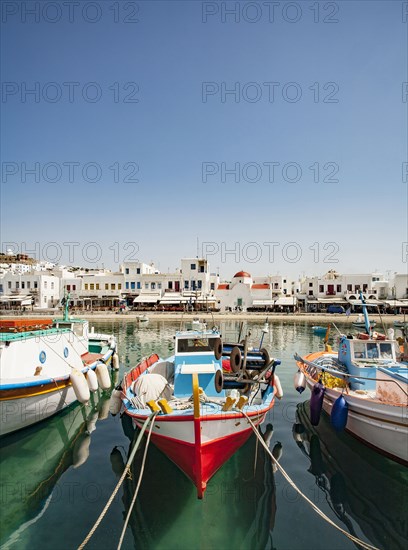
(242, 274)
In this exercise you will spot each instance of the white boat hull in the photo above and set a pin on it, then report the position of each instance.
(383, 427)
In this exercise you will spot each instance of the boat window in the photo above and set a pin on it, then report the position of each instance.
(386, 351)
(359, 350)
(372, 351)
(79, 329)
(195, 345)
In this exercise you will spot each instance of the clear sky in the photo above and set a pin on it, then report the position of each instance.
(152, 126)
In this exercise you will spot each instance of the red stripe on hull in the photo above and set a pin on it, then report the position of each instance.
(200, 462)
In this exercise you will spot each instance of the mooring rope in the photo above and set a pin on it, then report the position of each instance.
(356, 540)
(125, 471)
(137, 486)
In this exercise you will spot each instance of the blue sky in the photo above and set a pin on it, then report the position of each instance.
(336, 106)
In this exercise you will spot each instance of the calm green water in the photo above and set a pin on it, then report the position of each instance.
(57, 477)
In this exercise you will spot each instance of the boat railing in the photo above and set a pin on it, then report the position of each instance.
(343, 375)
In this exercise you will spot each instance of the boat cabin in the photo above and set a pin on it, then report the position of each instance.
(363, 357)
(197, 352)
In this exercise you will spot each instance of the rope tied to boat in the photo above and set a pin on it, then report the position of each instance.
(356, 540)
(149, 420)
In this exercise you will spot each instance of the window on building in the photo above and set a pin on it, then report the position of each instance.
(97, 286)
(310, 285)
(139, 285)
(35, 284)
(68, 288)
(321, 288)
(132, 285)
(146, 286)
(86, 286)
(193, 285)
(186, 285)
(119, 286)
(17, 284)
(106, 286)
(284, 280)
(28, 284)
(52, 285)
(126, 286)
(201, 270)
(276, 286)
(9, 284)
(365, 286)
(22, 284)
(349, 288)
(92, 286)
(356, 288)
(338, 288)
(1, 288)
(310, 292)
(212, 286)
(127, 271)
(159, 285)
(45, 284)
(170, 285)
(199, 284)
(192, 266)
(138, 271)
(113, 286)
(153, 286)
(73, 287)
(45, 299)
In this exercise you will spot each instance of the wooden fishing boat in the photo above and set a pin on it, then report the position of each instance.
(203, 406)
(366, 375)
(46, 365)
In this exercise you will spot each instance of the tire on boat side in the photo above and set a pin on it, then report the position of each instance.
(219, 381)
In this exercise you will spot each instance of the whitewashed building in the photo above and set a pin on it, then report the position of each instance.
(22, 290)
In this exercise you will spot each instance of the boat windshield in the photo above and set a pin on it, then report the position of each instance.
(195, 345)
(373, 350)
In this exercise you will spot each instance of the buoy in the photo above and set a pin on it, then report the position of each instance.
(80, 451)
(299, 381)
(92, 380)
(112, 343)
(115, 361)
(277, 386)
(316, 403)
(80, 386)
(102, 374)
(115, 403)
(339, 413)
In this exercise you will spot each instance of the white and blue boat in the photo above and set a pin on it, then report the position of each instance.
(204, 394)
(363, 387)
(46, 365)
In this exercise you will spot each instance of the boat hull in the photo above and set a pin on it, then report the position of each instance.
(200, 446)
(380, 426)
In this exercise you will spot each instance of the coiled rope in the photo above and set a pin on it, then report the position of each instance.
(356, 540)
(149, 419)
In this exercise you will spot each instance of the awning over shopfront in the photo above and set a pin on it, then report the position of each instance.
(147, 299)
(20, 300)
(286, 301)
(259, 303)
(396, 303)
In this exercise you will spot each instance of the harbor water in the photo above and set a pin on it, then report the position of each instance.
(57, 476)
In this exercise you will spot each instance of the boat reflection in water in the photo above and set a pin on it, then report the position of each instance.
(366, 491)
(33, 460)
(238, 510)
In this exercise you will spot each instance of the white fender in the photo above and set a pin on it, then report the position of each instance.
(80, 386)
(80, 451)
(299, 381)
(91, 380)
(112, 343)
(115, 361)
(115, 403)
(102, 374)
(277, 386)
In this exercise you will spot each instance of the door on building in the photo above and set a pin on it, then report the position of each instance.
(330, 290)
(177, 286)
(239, 302)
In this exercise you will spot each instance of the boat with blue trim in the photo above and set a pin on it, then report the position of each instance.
(45, 365)
(204, 395)
(363, 387)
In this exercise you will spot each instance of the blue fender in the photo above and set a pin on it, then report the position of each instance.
(339, 413)
(316, 403)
